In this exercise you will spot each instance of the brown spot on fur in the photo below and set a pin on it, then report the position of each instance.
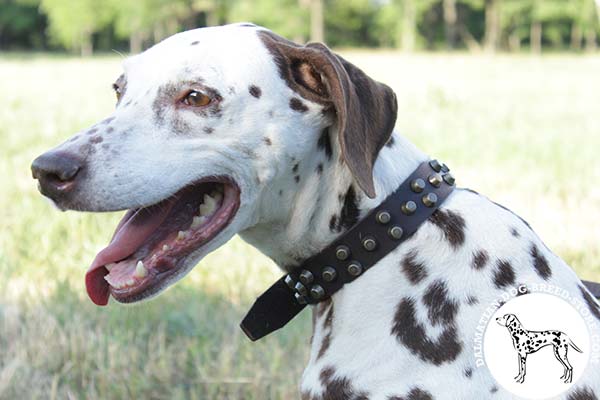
(412, 334)
(327, 326)
(338, 388)
(504, 275)
(515, 232)
(414, 394)
(297, 178)
(96, 139)
(194, 43)
(323, 306)
(441, 309)
(414, 270)
(255, 91)
(582, 394)
(324, 143)
(208, 130)
(121, 85)
(107, 120)
(74, 138)
(314, 325)
(452, 225)
(333, 223)
(268, 141)
(591, 302)
(110, 129)
(540, 263)
(329, 318)
(92, 131)
(350, 212)
(480, 259)
(297, 105)
(324, 345)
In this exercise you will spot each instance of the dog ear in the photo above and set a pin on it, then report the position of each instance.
(365, 110)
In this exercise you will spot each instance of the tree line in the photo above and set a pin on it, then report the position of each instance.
(84, 26)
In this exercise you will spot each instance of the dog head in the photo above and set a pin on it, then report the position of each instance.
(208, 125)
(507, 320)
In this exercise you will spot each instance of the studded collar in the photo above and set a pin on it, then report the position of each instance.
(351, 254)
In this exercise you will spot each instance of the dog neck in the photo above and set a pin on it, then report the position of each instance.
(325, 202)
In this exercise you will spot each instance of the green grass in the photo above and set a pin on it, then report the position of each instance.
(525, 131)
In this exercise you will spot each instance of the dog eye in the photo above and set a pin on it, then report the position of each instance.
(117, 90)
(196, 99)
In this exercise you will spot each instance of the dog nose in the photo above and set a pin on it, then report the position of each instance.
(56, 172)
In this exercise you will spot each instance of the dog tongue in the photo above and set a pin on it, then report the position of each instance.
(131, 232)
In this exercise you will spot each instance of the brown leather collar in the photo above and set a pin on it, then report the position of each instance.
(361, 247)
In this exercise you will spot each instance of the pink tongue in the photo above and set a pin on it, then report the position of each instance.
(131, 233)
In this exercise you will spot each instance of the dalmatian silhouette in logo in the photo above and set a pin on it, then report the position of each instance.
(529, 342)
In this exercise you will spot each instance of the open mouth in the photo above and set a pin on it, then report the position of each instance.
(151, 244)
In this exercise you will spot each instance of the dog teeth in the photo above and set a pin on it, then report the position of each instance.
(119, 285)
(140, 270)
(197, 222)
(218, 196)
(129, 282)
(181, 235)
(165, 247)
(110, 266)
(208, 206)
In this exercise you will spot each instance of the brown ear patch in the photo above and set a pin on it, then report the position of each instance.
(365, 110)
(306, 74)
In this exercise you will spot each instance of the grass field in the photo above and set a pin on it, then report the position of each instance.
(525, 131)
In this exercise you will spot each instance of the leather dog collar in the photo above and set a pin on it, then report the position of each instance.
(361, 247)
(350, 255)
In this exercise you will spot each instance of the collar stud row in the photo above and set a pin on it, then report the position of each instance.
(303, 288)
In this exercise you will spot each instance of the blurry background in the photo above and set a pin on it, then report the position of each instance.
(505, 91)
(85, 26)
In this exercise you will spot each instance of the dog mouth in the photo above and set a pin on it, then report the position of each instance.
(151, 244)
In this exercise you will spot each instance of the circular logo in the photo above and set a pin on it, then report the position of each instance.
(537, 346)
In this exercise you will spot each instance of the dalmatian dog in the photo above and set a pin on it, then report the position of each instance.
(235, 130)
(529, 342)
